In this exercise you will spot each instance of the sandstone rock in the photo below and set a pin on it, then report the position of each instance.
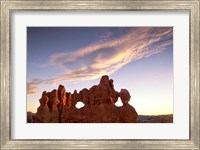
(125, 96)
(62, 95)
(85, 96)
(111, 84)
(104, 80)
(69, 101)
(63, 98)
(127, 112)
(54, 101)
(72, 115)
(104, 113)
(30, 117)
(75, 98)
(43, 113)
(99, 105)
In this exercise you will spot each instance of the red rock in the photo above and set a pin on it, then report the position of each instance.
(75, 98)
(54, 101)
(69, 101)
(63, 98)
(99, 105)
(125, 96)
(43, 113)
(62, 95)
(127, 112)
(104, 80)
(85, 96)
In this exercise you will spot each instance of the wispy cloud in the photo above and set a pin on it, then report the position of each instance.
(77, 75)
(133, 40)
(108, 56)
(31, 88)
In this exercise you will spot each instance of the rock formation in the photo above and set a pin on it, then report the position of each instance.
(127, 113)
(99, 105)
(43, 113)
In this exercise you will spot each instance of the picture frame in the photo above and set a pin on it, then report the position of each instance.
(5, 76)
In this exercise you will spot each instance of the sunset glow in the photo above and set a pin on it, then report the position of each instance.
(139, 59)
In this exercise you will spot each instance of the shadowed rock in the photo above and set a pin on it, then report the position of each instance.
(127, 112)
(43, 113)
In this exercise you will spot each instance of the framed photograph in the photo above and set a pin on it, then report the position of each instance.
(99, 74)
(107, 52)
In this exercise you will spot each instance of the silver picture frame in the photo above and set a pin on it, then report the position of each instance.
(7, 6)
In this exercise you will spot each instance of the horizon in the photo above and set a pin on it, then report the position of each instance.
(139, 59)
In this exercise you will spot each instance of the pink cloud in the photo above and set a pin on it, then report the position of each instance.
(142, 37)
(31, 88)
(135, 44)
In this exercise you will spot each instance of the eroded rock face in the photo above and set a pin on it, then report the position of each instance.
(127, 112)
(99, 105)
(43, 114)
(62, 94)
(54, 113)
(125, 96)
(70, 101)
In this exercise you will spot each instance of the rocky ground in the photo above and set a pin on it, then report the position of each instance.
(30, 117)
(155, 119)
(141, 118)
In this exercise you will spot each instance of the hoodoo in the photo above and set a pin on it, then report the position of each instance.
(99, 105)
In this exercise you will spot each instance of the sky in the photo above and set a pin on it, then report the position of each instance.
(139, 59)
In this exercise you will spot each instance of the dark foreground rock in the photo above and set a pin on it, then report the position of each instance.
(30, 117)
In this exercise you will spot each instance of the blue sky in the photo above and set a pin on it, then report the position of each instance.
(139, 59)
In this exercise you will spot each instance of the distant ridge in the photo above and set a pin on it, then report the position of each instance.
(155, 118)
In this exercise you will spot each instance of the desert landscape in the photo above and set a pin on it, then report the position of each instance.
(100, 74)
(59, 106)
